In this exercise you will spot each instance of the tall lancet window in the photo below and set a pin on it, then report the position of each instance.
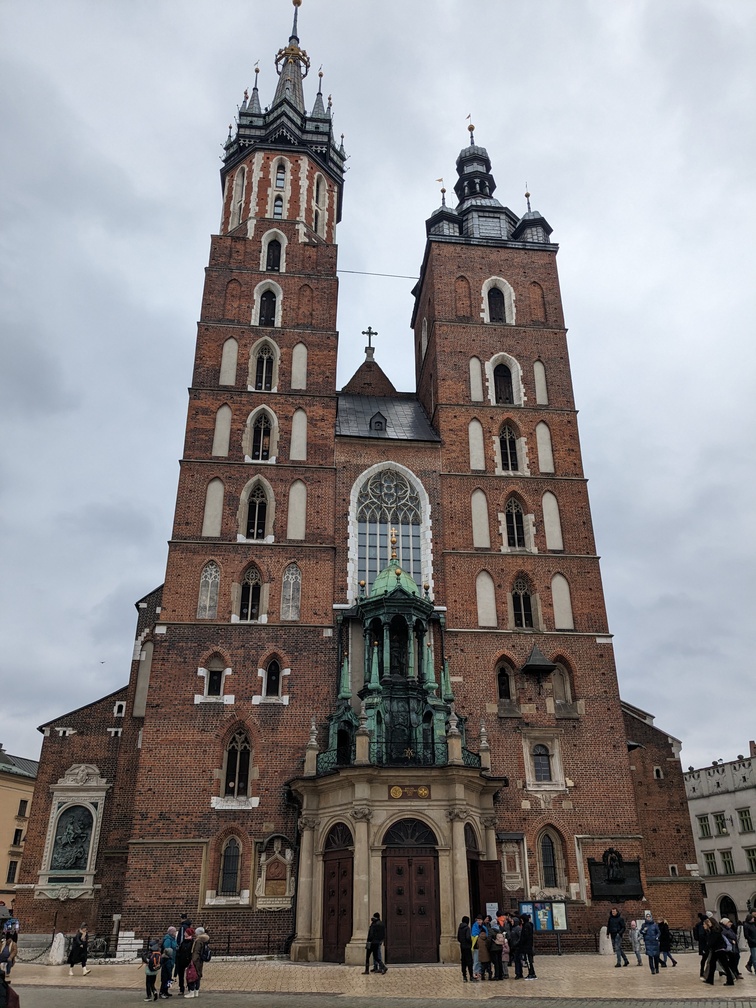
(388, 500)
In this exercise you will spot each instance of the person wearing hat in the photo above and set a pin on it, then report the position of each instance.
(717, 958)
(375, 938)
(151, 970)
(167, 960)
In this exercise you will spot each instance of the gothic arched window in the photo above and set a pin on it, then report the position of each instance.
(541, 763)
(228, 884)
(257, 512)
(261, 438)
(504, 682)
(265, 359)
(496, 311)
(522, 603)
(291, 592)
(272, 680)
(273, 258)
(249, 608)
(503, 390)
(238, 755)
(207, 603)
(548, 860)
(280, 176)
(267, 315)
(508, 446)
(278, 208)
(515, 524)
(387, 500)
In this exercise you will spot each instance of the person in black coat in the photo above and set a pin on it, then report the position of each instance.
(375, 938)
(464, 937)
(665, 943)
(615, 929)
(749, 933)
(525, 948)
(717, 958)
(79, 950)
(700, 935)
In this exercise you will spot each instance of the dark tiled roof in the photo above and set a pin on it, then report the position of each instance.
(405, 418)
(18, 765)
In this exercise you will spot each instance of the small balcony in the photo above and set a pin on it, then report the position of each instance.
(383, 754)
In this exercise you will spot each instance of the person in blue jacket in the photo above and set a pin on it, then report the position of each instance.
(650, 935)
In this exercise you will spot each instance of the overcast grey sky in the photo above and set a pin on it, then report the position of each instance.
(632, 123)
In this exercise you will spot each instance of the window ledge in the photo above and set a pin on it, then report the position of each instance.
(241, 900)
(227, 698)
(280, 700)
(508, 708)
(228, 803)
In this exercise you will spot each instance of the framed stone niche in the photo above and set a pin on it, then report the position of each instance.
(73, 833)
(274, 888)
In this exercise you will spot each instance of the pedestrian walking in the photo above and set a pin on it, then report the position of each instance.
(476, 929)
(615, 929)
(464, 937)
(716, 958)
(635, 941)
(79, 950)
(665, 943)
(700, 934)
(749, 933)
(650, 935)
(733, 953)
(376, 936)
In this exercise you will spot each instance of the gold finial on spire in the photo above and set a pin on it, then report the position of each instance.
(471, 130)
(527, 196)
(297, 3)
(393, 544)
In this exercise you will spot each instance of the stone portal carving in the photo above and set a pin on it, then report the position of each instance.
(274, 889)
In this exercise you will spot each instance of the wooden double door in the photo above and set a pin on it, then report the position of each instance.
(338, 871)
(410, 899)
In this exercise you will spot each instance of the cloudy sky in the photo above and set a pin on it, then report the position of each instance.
(631, 122)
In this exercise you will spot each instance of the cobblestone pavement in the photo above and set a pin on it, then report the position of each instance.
(590, 980)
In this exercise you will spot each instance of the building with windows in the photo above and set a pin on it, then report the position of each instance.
(379, 674)
(17, 777)
(722, 804)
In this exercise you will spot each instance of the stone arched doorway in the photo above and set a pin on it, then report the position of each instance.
(338, 871)
(728, 909)
(410, 892)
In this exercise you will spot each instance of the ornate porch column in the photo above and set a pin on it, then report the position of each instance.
(303, 947)
(355, 950)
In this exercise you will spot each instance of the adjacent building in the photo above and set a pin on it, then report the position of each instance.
(17, 778)
(379, 674)
(722, 804)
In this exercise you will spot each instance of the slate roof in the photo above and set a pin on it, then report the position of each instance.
(405, 418)
(18, 765)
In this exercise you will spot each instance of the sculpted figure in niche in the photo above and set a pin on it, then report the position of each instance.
(613, 864)
(72, 837)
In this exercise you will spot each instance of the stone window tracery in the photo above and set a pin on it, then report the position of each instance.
(291, 592)
(387, 500)
(508, 446)
(249, 609)
(207, 603)
(238, 757)
(522, 603)
(257, 513)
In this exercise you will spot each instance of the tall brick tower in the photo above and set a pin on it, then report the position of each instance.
(378, 676)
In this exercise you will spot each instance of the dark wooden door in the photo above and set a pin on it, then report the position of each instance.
(337, 904)
(488, 884)
(410, 883)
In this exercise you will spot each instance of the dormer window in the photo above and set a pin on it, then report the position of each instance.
(378, 422)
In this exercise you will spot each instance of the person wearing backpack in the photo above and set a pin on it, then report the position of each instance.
(151, 969)
(200, 955)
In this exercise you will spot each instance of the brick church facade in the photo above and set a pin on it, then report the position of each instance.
(378, 675)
